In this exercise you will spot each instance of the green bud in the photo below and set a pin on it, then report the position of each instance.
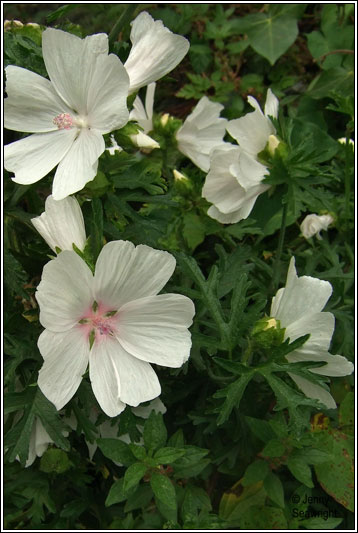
(267, 332)
(272, 144)
(182, 183)
(164, 119)
(55, 460)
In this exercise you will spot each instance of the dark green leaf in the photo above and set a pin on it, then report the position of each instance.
(116, 450)
(168, 455)
(163, 490)
(154, 433)
(301, 471)
(255, 472)
(232, 394)
(133, 475)
(274, 488)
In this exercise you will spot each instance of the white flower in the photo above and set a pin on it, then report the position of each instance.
(155, 51)
(61, 224)
(313, 224)
(299, 306)
(203, 131)
(144, 117)
(233, 184)
(68, 116)
(115, 321)
(253, 130)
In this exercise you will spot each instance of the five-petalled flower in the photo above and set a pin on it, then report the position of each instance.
(68, 116)
(115, 321)
(235, 177)
(298, 306)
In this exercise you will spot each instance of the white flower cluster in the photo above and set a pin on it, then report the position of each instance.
(85, 98)
(113, 319)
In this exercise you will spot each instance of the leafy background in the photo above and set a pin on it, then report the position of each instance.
(239, 446)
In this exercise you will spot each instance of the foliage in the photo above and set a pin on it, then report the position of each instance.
(239, 446)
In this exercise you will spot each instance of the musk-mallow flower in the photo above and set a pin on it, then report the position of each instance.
(313, 224)
(298, 306)
(203, 131)
(233, 183)
(155, 51)
(252, 131)
(144, 117)
(115, 321)
(85, 98)
(61, 224)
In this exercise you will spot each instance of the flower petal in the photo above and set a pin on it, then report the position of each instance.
(118, 377)
(35, 156)
(149, 100)
(32, 102)
(144, 141)
(65, 292)
(79, 165)
(301, 297)
(71, 62)
(222, 186)
(229, 218)
(336, 366)
(320, 326)
(252, 130)
(311, 390)
(61, 224)
(143, 115)
(154, 329)
(248, 171)
(271, 105)
(66, 359)
(125, 273)
(107, 95)
(104, 376)
(155, 51)
(202, 131)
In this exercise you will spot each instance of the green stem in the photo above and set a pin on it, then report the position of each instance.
(123, 20)
(277, 264)
(247, 353)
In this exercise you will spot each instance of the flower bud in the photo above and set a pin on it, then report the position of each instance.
(164, 119)
(267, 332)
(144, 142)
(182, 183)
(314, 224)
(10, 24)
(272, 144)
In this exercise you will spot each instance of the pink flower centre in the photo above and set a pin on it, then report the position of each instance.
(98, 323)
(63, 121)
(102, 325)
